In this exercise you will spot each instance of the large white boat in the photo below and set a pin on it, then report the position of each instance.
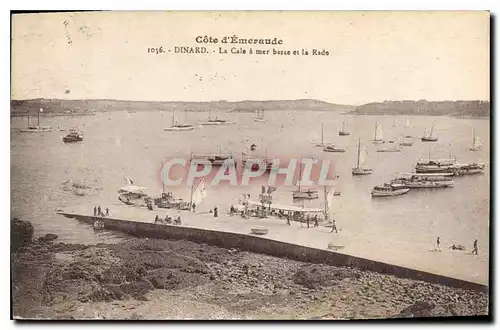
(362, 155)
(476, 142)
(425, 180)
(466, 169)
(388, 190)
(178, 127)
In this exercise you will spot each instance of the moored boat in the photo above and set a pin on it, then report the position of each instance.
(342, 131)
(73, 136)
(301, 193)
(377, 139)
(176, 127)
(362, 155)
(430, 137)
(333, 148)
(476, 142)
(388, 190)
(413, 181)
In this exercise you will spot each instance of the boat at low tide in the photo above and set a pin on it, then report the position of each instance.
(362, 155)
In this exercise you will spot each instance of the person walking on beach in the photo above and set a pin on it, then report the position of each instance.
(99, 210)
(107, 211)
(194, 207)
(216, 213)
(437, 243)
(288, 220)
(316, 224)
(95, 211)
(474, 251)
(157, 218)
(334, 227)
(307, 221)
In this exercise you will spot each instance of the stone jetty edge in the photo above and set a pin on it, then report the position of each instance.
(256, 244)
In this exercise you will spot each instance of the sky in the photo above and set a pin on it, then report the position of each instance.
(373, 56)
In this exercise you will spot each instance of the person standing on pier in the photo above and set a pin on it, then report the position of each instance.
(438, 241)
(216, 212)
(107, 211)
(95, 211)
(307, 221)
(157, 218)
(288, 219)
(194, 207)
(316, 224)
(99, 210)
(474, 251)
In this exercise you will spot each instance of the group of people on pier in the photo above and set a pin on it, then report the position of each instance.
(99, 213)
(168, 220)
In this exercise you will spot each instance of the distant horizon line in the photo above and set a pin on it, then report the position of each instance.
(226, 101)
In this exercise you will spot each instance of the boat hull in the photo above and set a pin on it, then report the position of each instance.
(429, 139)
(406, 144)
(305, 195)
(179, 129)
(362, 171)
(344, 133)
(378, 141)
(389, 193)
(389, 150)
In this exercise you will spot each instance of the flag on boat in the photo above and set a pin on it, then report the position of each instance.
(271, 189)
(200, 192)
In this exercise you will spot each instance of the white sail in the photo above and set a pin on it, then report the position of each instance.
(379, 133)
(200, 192)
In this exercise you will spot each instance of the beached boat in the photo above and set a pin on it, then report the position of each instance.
(176, 127)
(301, 193)
(333, 148)
(260, 117)
(388, 190)
(73, 136)
(342, 131)
(377, 138)
(362, 155)
(476, 143)
(167, 201)
(430, 137)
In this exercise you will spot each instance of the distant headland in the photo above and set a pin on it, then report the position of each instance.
(91, 106)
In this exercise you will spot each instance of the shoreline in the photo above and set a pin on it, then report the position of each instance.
(167, 279)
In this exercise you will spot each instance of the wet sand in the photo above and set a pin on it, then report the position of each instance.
(457, 264)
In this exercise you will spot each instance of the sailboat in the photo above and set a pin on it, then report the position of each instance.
(215, 121)
(377, 139)
(37, 128)
(429, 138)
(358, 170)
(304, 194)
(476, 143)
(178, 127)
(322, 144)
(260, 116)
(342, 131)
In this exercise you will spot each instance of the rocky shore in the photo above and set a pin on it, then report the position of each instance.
(162, 279)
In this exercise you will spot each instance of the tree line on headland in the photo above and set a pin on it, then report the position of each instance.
(91, 106)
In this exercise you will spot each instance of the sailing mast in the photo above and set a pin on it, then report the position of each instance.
(322, 133)
(173, 117)
(474, 138)
(359, 151)
(326, 203)
(300, 175)
(432, 129)
(376, 127)
(210, 112)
